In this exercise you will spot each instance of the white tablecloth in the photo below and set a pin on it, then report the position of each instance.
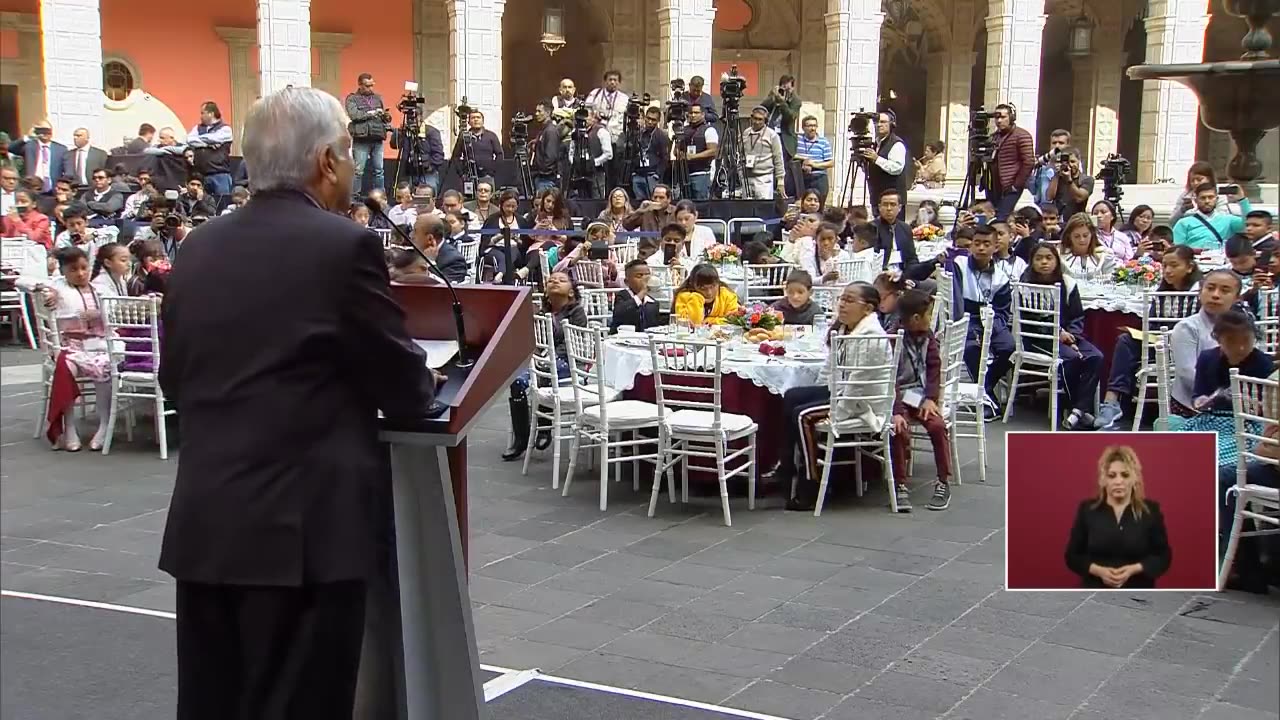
(1111, 298)
(622, 363)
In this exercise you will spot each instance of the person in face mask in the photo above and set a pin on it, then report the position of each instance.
(23, 219)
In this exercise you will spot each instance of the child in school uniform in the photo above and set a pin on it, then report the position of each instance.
(919, 396)
(1081, 361)
(977, 281)
(797, 307)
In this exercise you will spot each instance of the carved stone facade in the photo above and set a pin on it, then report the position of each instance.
(853, 71)
(1167, 144)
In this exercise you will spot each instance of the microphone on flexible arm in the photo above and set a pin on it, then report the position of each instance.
(463, 360)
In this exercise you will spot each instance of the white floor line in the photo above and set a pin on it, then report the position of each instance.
(89, 604)
(507, 682)
(511, 679)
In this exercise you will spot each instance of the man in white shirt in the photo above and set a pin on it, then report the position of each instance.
(885, 164)
(8, 188)
(610, 103)
(762, 156)
(82, 159)
(567, 98)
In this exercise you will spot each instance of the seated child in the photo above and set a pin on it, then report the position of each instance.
(919, 396)
(1236, 350)
(977, 281)
(759, 251)
(798, 307)
(633, 305)
(1081, 361)
(703, 299)
(824, 262)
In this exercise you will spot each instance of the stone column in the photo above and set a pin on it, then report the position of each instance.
(1095, 113)
(1167, 140)
(475, 57)
(853, 79)
(1015, 29)
(684, 40)
(1083, 99)
(937, 65)
(72, 45)
(431, 65)
(284, 44)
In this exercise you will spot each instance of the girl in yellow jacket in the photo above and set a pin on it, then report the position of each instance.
(703, 299)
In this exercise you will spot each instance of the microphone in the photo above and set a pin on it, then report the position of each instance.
(463, 360)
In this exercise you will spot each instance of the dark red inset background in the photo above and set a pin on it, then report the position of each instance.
(1050, 473)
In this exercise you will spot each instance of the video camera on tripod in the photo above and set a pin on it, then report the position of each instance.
(677, 108)
(1115, 169)
(520, 128)
(732, 86)
(861, 131)
(982, 147)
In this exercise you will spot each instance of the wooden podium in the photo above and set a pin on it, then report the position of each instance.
(420, 660)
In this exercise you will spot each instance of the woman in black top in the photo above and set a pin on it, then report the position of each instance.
(1119, 539)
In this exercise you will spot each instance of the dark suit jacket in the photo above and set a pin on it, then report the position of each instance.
(452, 264)
(278, 378)
(136, 146)
(29, 149)
(627, 312)
(97, 159)
(109, 206)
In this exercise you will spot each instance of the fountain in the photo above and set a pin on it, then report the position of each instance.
(1236, 97)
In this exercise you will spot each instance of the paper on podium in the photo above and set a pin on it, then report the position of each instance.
(438, 352)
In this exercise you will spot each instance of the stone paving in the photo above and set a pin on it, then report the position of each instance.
(857, 614)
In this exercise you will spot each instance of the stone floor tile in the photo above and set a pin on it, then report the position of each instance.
(776, 698)
(773, 638)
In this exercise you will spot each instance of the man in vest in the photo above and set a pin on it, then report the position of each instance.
(698, 148)
(210, 142)
(885, 164)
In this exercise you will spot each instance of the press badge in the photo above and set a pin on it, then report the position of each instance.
(913, 398)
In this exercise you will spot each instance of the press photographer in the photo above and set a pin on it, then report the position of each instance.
(887, 160)
(1015, 158)
(762, 154)
(370, 121)
(1047, 166)
(654, 149)
(610, 104)
(695, 96)
(483, 145)
(420, 145)
(549, 148)
(1070, 187)
(783, 106)
(168, 226)
(591, 148)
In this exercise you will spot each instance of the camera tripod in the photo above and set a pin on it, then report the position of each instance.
(731, 163)
(977, 177)
(582, 167)
(413, 156)
(856, 165)
(520, 148)
(679, 166)
(461, 153)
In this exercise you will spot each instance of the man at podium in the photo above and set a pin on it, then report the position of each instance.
(278, 378)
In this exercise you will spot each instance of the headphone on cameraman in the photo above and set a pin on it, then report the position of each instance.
(1013, 110)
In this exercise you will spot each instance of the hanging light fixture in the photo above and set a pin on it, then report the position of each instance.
(1080, 41)
(553, 26)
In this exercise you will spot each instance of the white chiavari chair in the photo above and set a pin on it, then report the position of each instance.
(968, 416)
(1160, 312)
(1166, 376)
(587, 273)
(766, 283)
(387, 235)
(1036, 317)
(1256, 403)
(663, 282)
(858, 270)
(598, 304)
(596, 423)
(863, 369)
(13, 302)
(133, 325)
(50, 342)
(470, 250)
(951, 344)
(624, 252)
(692, 427)
(942, 299)
(1269, 319)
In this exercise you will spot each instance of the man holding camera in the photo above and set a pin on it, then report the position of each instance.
(370, 121)
(887, 161)
(654, 154)
(1015, 158)
(1047, 166)
(783, 106)
(1070, 187)
(600, 149)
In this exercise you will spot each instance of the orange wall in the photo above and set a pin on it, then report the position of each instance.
(191, 64)
(20, 6)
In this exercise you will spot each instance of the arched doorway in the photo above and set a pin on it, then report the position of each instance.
(531, 74)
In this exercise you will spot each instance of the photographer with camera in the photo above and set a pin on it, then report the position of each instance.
(599, 152)
(1047, 166)
(1070, 187)
(653, 156)
(549, 147)
(370, 121)
(1012, 162)
(167, 226)
(783, 106)
(887, 161)
(697, 148)
(420, 145)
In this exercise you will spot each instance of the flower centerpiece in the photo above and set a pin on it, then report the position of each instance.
(756, 315)
(722, 254)
(1139, 271)
(927, 232)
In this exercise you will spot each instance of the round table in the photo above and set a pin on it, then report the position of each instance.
(751, 387)
(1108, 311)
